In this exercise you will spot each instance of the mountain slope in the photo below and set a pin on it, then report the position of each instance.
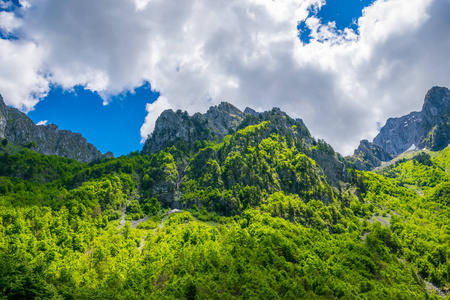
(300, 238)
(268, 212)
(186, 132)
(17, 128)
(429, 128)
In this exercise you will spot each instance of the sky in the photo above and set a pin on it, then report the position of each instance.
(108, 68)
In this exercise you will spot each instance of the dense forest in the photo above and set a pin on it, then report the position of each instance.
(266, 213)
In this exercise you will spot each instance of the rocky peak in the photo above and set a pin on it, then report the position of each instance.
(224, 108)
(250, 111)
(179, 128)
(19, 129)
(429, 128)
(399, 134)
(217, 122)
(171, 126)
(436, 104)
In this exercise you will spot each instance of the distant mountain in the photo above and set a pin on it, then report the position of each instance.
(429, 128)
(17, 128)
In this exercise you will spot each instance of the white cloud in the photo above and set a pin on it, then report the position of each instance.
(8, 22)
(154, 110)
(43, 122)
(22, 82)
(25, 3)
(197, 53)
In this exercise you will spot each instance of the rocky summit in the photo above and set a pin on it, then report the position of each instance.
(220, 120)
(429, 128)
(172, 126)
(17, 128)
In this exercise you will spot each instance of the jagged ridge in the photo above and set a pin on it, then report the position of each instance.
(19, 129)
(216, 123)
(428, 128)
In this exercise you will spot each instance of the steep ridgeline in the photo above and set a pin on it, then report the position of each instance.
(369, 156)
(172, 127)
(429, 128)
(17, 128)
(221, 120)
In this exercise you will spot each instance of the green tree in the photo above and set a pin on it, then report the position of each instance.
(151, 206)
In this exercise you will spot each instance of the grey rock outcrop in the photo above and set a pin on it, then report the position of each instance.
(19, 129)
(429, 128)
(369, 156)
(171, 126)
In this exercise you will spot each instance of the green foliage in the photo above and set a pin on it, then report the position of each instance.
(151, 206)
(36, 167)
(178, 218)
(265, 223)
(248, 166)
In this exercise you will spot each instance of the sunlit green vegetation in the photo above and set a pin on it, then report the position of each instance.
(259, 219)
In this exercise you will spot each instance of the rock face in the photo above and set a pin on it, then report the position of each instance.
(171, 126)
(369, 156)
(19, 129)
(429, 128)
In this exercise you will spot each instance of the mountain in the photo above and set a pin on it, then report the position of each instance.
(220, 120)
(369, 156)
(249, 207)
(17, 128)
(184, 131)
(171, 126)
(429, 128)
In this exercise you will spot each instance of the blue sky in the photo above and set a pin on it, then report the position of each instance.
(113, 127)
(61, 60)
(344, 13)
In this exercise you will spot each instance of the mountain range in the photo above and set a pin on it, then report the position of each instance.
(426, 129)
(228, 204)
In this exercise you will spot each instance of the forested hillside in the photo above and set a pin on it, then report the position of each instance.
(267, 212)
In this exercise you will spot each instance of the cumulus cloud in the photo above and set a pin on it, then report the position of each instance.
(43, 122)
(196, 53)
(153, 109)
(8, 22)
(22, 82)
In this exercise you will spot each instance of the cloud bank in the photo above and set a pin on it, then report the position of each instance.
(197, 53)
